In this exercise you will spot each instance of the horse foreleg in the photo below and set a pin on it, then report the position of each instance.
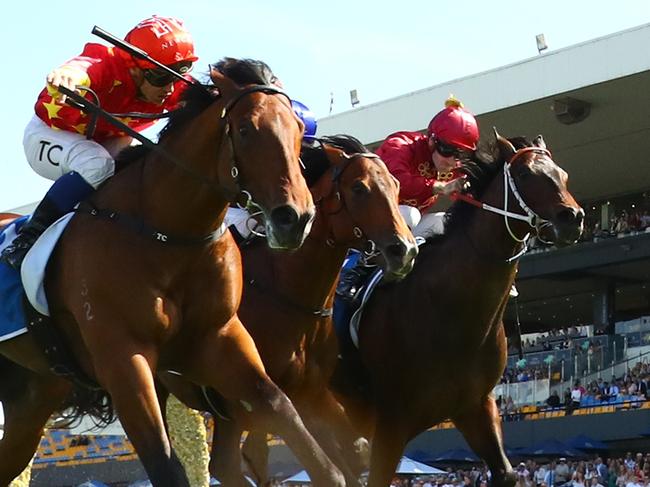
(126, 373)
(481, 427)
(225, 457)
(327, 421)
(28, 401)
(388, 443)
(256, 454)
(228, 360)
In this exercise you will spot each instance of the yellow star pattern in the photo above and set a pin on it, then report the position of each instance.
(52, 109)
(116, 83)
(81, 128)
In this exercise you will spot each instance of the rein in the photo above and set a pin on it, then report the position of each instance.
(532, 218)
(95, 110)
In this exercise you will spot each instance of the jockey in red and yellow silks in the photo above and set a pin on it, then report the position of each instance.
(55, 141)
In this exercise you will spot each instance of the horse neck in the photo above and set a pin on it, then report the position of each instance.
(309, 275)
(487, 233)
(172, 198)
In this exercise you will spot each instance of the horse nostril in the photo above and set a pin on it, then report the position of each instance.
(284, 216)
(397, 249)
(570, 215)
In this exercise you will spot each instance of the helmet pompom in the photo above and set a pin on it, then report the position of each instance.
(453, 102)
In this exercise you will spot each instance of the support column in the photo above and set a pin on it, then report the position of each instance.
(604, 307)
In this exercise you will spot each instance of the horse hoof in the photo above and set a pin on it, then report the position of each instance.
(362, 449)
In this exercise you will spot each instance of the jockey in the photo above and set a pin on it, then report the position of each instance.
(241, 223)
(55, 140)
(425, 164)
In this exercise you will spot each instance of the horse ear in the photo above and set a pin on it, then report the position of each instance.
(539, 142)
(506, 148)
(220, 80)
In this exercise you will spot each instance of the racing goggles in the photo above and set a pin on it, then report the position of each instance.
(159, 77)
(446, 150)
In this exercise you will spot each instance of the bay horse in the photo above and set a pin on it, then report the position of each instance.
(287, 300)
(149, 279)
(433, 345)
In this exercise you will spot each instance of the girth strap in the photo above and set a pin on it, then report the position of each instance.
(140, 227)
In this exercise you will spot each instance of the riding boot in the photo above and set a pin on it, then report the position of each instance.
(44, 215)
(60, 199)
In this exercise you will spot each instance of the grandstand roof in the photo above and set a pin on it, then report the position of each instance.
(611, 73)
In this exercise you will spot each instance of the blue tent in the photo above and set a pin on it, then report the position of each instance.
(584, 442)
(456, 455)
(300, 477)
(551, 448)
(407, 466)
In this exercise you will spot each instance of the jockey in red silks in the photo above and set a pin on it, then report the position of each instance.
(426, 164)
(241, 223)
(55, 139)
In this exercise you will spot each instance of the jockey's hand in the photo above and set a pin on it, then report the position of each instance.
(67, 77)
(449, 187)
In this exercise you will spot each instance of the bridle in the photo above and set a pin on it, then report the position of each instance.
(533, 219)
(335, 192)
(248, 203)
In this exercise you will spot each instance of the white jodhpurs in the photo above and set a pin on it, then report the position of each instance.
(424, 226)
(53, 153)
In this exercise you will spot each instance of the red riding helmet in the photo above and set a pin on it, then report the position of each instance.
(164, 39)
(455, 126)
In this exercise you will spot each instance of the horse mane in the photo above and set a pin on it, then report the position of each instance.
(315, 159)
(480, 167)
(196, 98)
(246, 71)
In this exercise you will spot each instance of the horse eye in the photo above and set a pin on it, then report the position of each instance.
(243, 130)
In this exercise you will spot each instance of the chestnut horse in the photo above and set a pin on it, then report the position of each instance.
(287, 300)
(433, 345)
(161, 291)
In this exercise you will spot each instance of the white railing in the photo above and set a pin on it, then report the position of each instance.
(522, 393)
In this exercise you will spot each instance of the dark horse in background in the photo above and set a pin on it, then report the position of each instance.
(433, 345)
(129, 304)
(288, 297)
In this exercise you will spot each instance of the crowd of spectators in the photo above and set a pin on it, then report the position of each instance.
(627, 471)
(556, 339)
(624, 223)
(632, 387)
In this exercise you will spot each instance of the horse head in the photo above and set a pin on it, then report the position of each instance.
(263, 137)
(539, 186)
(358, 199)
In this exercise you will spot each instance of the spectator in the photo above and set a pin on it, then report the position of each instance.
(553, 400)
(561, 472)
(601, 470)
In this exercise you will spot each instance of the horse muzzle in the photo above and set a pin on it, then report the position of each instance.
(567, 226)
(286, 229)
(399, 257)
